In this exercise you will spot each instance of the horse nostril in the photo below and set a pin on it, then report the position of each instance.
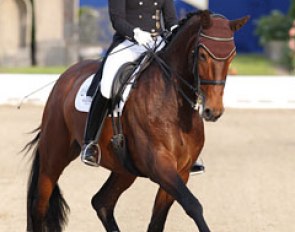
(207, 113)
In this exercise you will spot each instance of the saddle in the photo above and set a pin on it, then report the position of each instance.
(123, 83)
(126, 77)
(123, 78)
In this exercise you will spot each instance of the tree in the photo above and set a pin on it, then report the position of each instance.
(292, 10)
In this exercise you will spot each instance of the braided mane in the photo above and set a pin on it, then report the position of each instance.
(204, 20)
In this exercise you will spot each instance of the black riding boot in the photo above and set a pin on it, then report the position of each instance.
(91, 153)
(197, 167)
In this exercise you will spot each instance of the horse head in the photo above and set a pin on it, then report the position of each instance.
(214, 50)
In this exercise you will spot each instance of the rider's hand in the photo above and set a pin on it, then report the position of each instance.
(142, 37)
(173, 27)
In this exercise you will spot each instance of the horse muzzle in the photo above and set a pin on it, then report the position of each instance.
(211, 115)
(207, 112)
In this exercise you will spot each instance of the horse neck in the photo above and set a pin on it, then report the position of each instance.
(178, 53)
(179, 56)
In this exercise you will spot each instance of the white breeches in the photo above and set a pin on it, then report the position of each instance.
(120, 55)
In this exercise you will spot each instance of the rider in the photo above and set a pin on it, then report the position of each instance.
(138, 25)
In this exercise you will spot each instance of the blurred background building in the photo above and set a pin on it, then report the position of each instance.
(60, 32)
(38, 32)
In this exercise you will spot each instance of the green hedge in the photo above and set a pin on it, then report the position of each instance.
(253, 64)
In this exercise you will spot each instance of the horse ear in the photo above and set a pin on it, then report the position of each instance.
(205, 19)
(238, 23)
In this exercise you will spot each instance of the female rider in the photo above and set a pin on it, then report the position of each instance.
(138, 25)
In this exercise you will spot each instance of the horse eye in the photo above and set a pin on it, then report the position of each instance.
(202, 57)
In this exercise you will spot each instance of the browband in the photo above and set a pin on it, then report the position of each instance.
(214, 56)
(217, 38)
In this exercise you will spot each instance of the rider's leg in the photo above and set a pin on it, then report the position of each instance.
(99, 108)
(97, 78)
(97, 114)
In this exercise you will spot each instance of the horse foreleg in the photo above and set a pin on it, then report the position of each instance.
(104, 201)
(162, 206)
(166, 175)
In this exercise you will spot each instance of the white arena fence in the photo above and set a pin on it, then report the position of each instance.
(277, 92)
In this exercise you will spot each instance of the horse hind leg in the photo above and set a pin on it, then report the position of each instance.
(33, 224)
(105, 200)
(46, 207)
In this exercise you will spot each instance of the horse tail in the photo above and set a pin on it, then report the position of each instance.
(56, 216)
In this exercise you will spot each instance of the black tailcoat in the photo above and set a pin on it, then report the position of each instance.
(149, 15)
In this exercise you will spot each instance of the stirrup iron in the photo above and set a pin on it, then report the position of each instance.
(91, 154)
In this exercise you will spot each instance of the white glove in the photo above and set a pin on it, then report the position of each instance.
(173, 27)
(142, 37)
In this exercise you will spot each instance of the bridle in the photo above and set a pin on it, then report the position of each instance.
(198, 81)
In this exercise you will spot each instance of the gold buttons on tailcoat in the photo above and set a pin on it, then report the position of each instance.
(155, 16)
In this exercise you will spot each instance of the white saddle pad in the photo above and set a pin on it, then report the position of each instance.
(83, 102)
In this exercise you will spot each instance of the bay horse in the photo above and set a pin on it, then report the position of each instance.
(165, 133)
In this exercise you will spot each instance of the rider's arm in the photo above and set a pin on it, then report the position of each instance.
(117, 11)
(169, 14)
